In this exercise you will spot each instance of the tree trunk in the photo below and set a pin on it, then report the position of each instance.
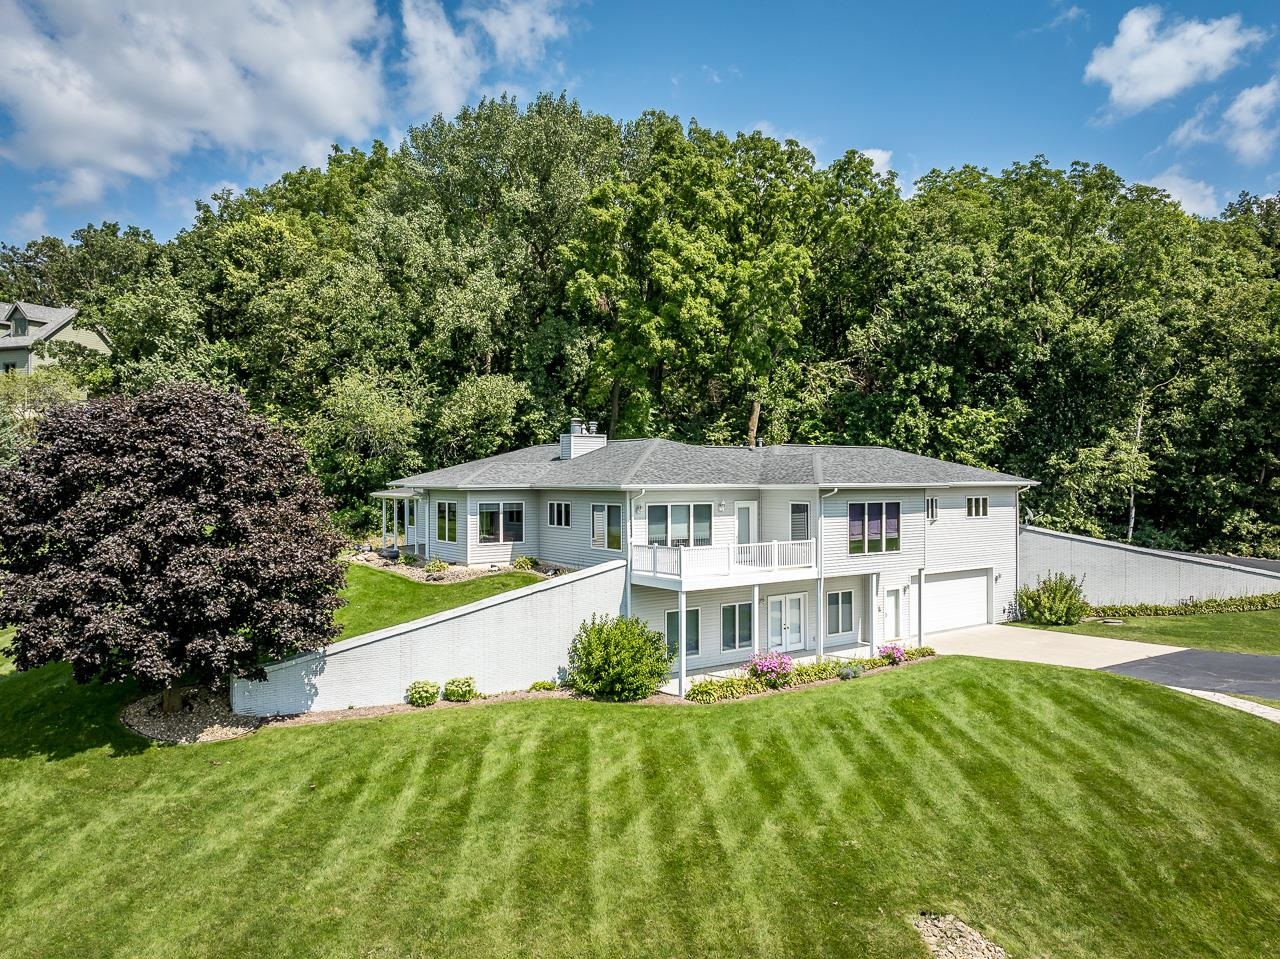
(615, 405)
(1137, 445)
(753, 424)
(170, 700)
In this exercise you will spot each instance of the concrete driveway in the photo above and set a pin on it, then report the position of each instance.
(1200, 672)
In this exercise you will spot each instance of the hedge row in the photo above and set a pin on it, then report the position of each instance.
(736, 687)
(1190, 607)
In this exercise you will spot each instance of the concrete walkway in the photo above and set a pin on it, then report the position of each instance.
(1208, 675)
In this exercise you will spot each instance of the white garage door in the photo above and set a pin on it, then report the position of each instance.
(953, 600)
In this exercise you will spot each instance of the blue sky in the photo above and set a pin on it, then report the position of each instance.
(128, 111)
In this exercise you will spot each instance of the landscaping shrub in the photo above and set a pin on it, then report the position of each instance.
(1056, 600)
(772, 669)
(1190, 607)
(525, 563)
(422, 693)
(814, 672)
(436, 565)
(849, 672)
(893, 652)
(619, 659)
(544, 686)
(718, 690)
(461, 690)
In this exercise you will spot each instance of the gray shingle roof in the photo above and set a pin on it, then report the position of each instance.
(655, 462)
(53, 318)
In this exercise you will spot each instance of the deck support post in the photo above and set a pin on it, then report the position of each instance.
(872, 631)
(682, 605)
(822, 617)
(395, 523)
(755, 618)
(920, 610)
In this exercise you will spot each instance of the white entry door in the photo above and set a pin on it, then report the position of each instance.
(893, 614)
(786, 622)
(745, 516)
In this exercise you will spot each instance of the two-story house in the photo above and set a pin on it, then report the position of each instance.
(28, 332)
(732, 550)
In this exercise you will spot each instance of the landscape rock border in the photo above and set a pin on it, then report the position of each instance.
(205, 717)
(950, 938)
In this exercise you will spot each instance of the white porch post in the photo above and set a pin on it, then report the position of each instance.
(680, 630)
(872, 631)
(920, 609)
(822, 617)
(384, 522)
(755, 618)
(395, 522)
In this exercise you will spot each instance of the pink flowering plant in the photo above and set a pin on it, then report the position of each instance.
(772, 669)
(893, 651)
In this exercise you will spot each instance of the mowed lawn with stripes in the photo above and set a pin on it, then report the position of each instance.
(1064, 813)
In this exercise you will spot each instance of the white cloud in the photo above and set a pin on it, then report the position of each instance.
(1246, 127)
(96, 94)
(881, 160)
(31, 224)
(1196, 196)
(712, 75)
(1248, 133)
(1148, 62)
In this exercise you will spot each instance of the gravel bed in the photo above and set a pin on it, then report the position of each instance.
(205, 717)
(454, 574)
(948, 937)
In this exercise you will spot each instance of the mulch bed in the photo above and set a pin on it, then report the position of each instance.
(454, 574)
(820, 682)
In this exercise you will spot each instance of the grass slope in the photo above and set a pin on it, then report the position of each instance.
(1065, 813)
(1257, 632)
(377, 599)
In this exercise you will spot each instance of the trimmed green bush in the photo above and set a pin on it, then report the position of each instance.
(422, 693)
(544, 686)
(526, 563)
(1056, 600)
(461, 690)
(732, 687)
(815, 672)
(619, 659)
(1191, 607)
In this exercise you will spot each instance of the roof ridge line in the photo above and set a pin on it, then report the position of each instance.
(653, 443)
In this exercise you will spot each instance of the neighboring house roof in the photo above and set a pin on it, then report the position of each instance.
(51, 320)
(651, 463)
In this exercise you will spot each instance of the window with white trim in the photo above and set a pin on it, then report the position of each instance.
(501, 522)
(976, 506)
(446, 521)
(931, 508)
(680, 524)
(692, 625)
(736, 626)
(875, 527)
(799, 521)
(558, 515)
(606, 526)
(840, 612)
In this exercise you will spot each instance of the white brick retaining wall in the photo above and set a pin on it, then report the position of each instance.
(506, 642)
(1120, 574)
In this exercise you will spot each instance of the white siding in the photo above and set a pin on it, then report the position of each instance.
(482, 554)
(572, 547)
(449, 552)
(957, 541)
(775, 513)
(506, 642)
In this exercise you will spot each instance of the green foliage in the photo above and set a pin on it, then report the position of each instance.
(460, 296)
(802, 674)
(435, 565)
(1055, 600)
(848, 672)
(543, 686)
(619, 659)
(461, 690)
(1191, 607)
(525, 563)
(422, 693)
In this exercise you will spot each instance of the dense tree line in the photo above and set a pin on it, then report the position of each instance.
(505, 269)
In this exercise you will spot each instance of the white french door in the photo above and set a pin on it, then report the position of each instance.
(786, 622)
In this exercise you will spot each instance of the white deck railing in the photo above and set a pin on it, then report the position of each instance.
(681, 561)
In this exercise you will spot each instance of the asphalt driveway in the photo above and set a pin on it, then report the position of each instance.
(1202, 669)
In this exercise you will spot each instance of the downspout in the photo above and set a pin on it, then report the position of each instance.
(822, 580)
(1017, 547)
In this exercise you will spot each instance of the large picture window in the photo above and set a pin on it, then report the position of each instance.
(692, 624)
(680, 524)
(875, 527)
(446, 522)
(606, 526)
(735, 626)
(501, 522)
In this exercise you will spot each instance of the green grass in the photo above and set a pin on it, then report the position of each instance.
(1257, 632)
(377, 599)
(1273, 703)
(1065, 813)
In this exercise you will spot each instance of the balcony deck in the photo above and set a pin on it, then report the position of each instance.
(718, 566)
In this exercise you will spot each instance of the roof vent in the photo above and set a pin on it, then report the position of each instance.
(578, 440)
